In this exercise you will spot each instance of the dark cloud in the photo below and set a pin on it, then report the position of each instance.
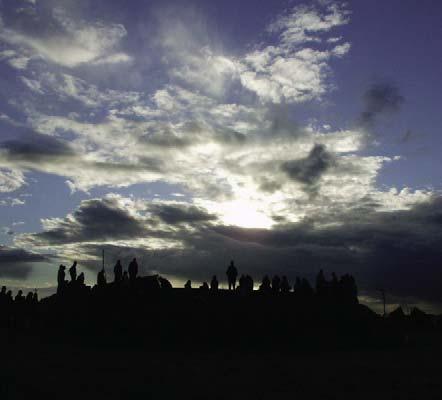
(397, 250)
(16, 262)
(380, 99)
(36, 148)
(310, 169)
(107, 219)
(175, 214)
(94, 220)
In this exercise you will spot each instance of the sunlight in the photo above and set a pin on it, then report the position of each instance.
(244, 214)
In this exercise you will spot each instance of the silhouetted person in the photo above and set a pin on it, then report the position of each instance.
(80, 279)
(35, 297)
(285, 286)
(242, 283)
(249, 283)
(118, 272)
(101, 278)
(29, 297)
(204, 287)
(188, 285)
(265, 285)
(9, 296)
(19, 297)
(214, 283)
(297, 288)
(3, 291)
(73, 272)
(276, 282)
(133, 270)
(61, 278)
(321, 283)
(125, 276)
(232, 273)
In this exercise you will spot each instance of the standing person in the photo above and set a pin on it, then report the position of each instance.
(73, 272)
(214, 283)
(118, 272)
(232, 273)
(133, 269)
(60, 278)
(101, 278)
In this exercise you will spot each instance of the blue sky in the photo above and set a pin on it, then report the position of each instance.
(286, 134)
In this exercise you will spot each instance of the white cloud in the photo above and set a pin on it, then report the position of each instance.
(74, 42)
(10, 180)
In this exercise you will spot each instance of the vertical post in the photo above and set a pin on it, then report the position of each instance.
(103, 258)
(383, 299)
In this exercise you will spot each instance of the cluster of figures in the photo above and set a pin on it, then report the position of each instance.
(78, 281)
(344, 288)
(7, 298)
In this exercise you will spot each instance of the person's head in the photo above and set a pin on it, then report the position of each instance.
(134, 260)
(3, 289)
(75, 263)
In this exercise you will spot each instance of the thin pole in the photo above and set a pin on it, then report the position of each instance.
(103, 258)
(383, 299)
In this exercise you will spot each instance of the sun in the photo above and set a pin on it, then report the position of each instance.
(244, 214)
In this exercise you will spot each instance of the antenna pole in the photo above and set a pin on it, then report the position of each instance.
(383, 299)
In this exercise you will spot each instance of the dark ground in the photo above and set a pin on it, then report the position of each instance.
(176, 344)
(32, 371)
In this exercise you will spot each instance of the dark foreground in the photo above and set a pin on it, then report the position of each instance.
(72, 372)
(145, 341)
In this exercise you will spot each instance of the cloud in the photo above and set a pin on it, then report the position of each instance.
(10, 180)
(61, 39)
(380, 99)
(175, 214)
(287, 72)
(310, 169)
(17, 263)
(381, 248)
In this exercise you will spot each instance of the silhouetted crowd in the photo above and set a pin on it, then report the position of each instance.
(343, 289)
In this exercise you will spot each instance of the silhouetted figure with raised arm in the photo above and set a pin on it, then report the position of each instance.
(61, 278)
(188, 285)
(133, 270)
(118, 272)
(73, 272)
(285, 285)
(101, 278)
(276, 284)
(232, 273)
(214, 283)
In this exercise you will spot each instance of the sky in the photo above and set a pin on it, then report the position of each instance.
(289, 136)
